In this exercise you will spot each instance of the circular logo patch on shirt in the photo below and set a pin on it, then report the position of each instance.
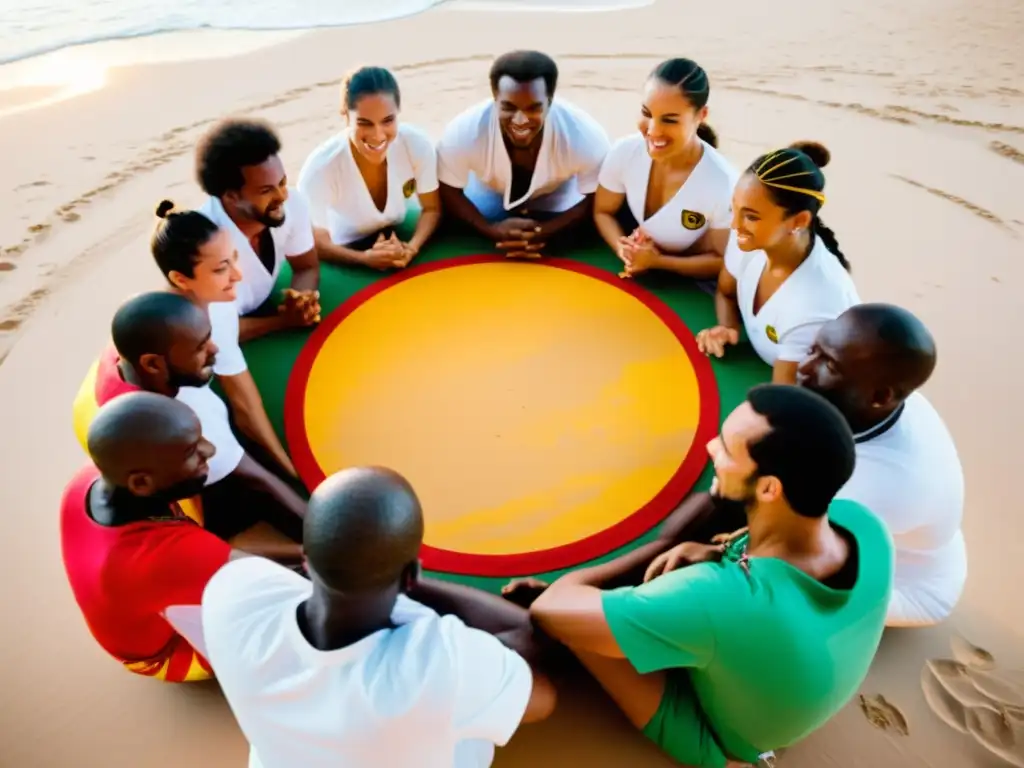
(772, 334)
(546, 414)
(693, 220)
(409, 188)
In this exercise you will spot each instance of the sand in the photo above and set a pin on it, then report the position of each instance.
(922, 103)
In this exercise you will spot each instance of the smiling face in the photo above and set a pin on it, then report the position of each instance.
(522, 108)
(668, 120)
(759, 222)
(374, 125)
(263, 193)
(215, 272)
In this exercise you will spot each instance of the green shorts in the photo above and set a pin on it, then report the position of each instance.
(680, 727)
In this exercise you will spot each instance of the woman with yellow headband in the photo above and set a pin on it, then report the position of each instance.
(784, 275)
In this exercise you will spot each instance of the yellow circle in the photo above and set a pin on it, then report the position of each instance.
(529, 406)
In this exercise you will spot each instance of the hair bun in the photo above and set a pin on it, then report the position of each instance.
(165, 207)
(817, 151)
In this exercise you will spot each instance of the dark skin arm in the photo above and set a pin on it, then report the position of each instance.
(457, 205)
(481, 610)
(567, 220)
(261, 479)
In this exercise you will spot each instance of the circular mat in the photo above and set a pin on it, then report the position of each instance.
(546, 413)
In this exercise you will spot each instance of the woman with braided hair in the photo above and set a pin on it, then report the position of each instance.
(784, 275)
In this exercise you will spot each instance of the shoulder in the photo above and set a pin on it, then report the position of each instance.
(866, 526)
(242, 584)
(470, 124)
(323, 155)
(77, 488)
(415, 137)
(222, 314)
(212, 209)
(626, 149)
(579, 129)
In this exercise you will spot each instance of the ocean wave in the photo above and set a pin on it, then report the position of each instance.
(37, 27)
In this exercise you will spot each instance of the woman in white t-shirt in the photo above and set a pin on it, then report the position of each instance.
(784, 275)
(668, 182)
(200, 261)
(359, 183)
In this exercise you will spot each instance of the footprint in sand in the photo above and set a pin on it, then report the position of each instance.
(883, 714)
(967, 694)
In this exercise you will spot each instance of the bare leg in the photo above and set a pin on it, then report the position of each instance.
(637, 696)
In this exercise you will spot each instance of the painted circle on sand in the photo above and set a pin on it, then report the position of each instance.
(546, 413)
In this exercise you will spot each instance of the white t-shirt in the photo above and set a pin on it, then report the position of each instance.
(910, 476)
(785, 328)
(211, 410)
(431, 693)
(572, 147)
(293, 238)
(339, 200)
(703, 202)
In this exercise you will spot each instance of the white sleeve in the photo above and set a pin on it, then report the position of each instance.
(492, 684)
(795, 343)
(612, 175)
(454, 154)
(229, 360)
(424, 161)
(314, 186)
(592, 152)
(300, 232)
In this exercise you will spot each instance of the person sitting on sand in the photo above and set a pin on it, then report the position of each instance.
(668, 181)
(870, 363)
(730, 651)
(784, 275)
(132, 557)
(201, 262)
(238, 166)
(521, 168)
(368, 664)
(358, 183)
(163, 342)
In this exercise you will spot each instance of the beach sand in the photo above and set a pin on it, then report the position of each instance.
(922, 105)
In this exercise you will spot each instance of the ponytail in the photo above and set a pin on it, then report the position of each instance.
(708, 135)
(828, 238)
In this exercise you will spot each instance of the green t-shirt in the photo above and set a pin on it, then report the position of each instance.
(771, 653)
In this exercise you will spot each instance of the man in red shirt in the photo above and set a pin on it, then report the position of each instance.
(161, 343)
(129, 552)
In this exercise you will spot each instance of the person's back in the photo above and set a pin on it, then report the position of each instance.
(344, 669)
(400, 696)
(790, 651)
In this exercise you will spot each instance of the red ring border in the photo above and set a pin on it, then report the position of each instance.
(537, 561)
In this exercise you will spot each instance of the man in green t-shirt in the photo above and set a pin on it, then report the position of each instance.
(758, 641)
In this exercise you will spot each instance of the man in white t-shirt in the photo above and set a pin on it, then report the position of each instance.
(521, 169)
(165, 344)
(870, 362)
(238, 166)
(368, 664)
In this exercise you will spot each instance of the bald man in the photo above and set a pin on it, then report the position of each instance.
(368, 664)
(131, 555)
(162, 343)
(870, 362)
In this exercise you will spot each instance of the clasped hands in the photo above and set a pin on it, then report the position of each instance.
(637, 252)
(520, 238)
(389, 253)
(300, 308)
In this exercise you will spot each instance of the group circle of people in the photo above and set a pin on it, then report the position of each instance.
(745, 624)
